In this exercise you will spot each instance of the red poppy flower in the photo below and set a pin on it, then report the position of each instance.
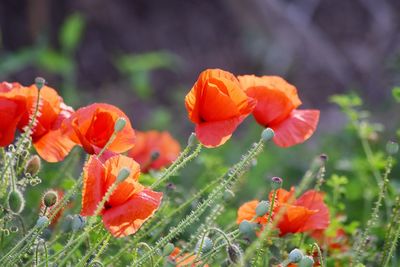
(92, 126)
(307, 213)
(277, 103)
(217, 105)
(129, 206)
(46, 135)
(160, 145)
(185, 259)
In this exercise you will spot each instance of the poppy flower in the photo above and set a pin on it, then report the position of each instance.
(46, 135)
(217, 105)
(307, 213)
(92, 127)
(277, 103)
(184, 259)
(130, 204)
(154, 150)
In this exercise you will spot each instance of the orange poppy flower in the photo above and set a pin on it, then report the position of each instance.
(307, 213)
(217, 105)
(277, 103)
(184, 260)
(46, 135)
(92, 126)
(129, 206)
(148, 144)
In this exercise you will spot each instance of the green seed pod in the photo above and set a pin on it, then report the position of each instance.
(16, 201)
(246, 228)
(276, 183)
(262, 208)
(306, 261)
(123, 174)
(295, 255)
(42, 221)
(33, 165)
(192, 139)
(168, 249)
(40, 82)
(235, 254)
(50, 198)
(392, 147)
(207, 245)
(78, 223)
(228, 195)
(267, 134)
(119, 125)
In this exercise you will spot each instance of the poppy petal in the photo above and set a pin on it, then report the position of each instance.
(216, 133)
(297, 128)
(93, 186)
(53, 146)
(127, 218)
(10, 113)
(314, 200)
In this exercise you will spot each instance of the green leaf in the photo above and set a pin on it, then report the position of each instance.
(396, 93)
(346, 101)
(71, 32)
(55, 62)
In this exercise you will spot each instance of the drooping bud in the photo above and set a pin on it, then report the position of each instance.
(276, 183)
(50, 198)
(40, 82)
(192, 139)
(33, 165)
(123, 174)
(78, 223)
(267, 134)
(155, 155)
(228, 195)
(235, 254)
(306, 261)
(207, 245)
(119, 125)
(262, 208)
(392, 147)
(295, 255)
(168, 249)
(42, 221)
(16, 202)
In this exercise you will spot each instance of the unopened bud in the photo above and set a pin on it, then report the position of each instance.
(262, 208)
(168, 249)
(33, 165)
(78, 223)
(50, 198)
(155, 155)
(276, 183)
(119, 125)
(392, 147)
(246, 228)
(206, 245)
(235, 254)
(123, 174)
(40, 82)
(267, 134)
(323, 157)
(42, 221)
(295, 255)
(16, 202)
(306, 261)
(192, 139)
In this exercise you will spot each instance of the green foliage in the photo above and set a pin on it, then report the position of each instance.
(71, 32)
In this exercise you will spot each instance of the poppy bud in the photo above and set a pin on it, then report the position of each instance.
(235, 254)
(192, 139)
(246, 228)
(66, 225)
(33, 165)
(42, 221)
(276, 183)
(78, 223)
(207, 245)
(306, 261)
(119, 125)
(323, 157)
(123, 174)
(40, 82)
(16, 202)
(262, 208)
(295, 255)
(228, 195)
(392, 147)
(155, 155)
(267, 134)
(168, 248)
(50, 198)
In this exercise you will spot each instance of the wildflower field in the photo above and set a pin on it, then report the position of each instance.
(107, 160)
